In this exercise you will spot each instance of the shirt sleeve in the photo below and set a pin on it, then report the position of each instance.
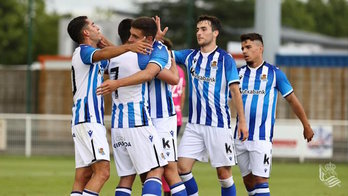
(231, 70)
(282, 83)
(181, 55)
(87, 54)
(159, 55)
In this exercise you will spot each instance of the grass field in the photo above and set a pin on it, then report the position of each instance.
(43, 176)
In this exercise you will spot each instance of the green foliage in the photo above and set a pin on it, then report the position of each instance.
(14, 35)
(319, 16)
(329, 18)
(181, 20)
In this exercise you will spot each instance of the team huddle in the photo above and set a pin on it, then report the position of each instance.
(144, 124)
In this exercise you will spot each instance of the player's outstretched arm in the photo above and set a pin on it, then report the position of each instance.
(140, 77)
(112, 51)
(300, 113)
(171, 75)
(238, 105)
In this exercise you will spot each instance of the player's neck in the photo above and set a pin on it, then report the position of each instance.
(208, 48)
(90, 43)
(257, 63)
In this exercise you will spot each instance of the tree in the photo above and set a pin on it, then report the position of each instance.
(181, 20)
(14, 34)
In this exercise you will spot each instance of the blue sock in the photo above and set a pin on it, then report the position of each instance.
(89, 193)
(190, 183)
(121, 191)
(262, 189)
(227, 187)
(152, 186)
(178, 189)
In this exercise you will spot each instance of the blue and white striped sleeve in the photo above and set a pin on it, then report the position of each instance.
(282, 83)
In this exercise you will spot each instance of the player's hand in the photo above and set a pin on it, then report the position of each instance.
(242, 130)
(107, 87)
(160, 34)
(141, 46)
(308, 133)
(104, 42)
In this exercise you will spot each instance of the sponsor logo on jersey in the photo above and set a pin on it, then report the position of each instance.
(254, 92)
(207, 79)
(122, 143)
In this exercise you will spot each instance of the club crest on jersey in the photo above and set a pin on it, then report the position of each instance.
(101, 151)
(90, 132)
(263, 77)
(214, 65)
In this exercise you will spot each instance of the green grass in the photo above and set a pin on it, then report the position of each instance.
(42, 176)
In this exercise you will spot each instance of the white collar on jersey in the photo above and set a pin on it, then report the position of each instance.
(205, 54)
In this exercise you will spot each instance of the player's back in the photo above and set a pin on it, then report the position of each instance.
(86, 76)
(129, 108)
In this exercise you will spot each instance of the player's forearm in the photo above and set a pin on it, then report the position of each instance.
(298, 109)
(237, 102)
(110, 52)
(137, 78)
(168, 77)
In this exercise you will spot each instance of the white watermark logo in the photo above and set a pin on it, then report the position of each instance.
(328, 175)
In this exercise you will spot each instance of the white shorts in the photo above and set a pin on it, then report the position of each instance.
(166, 129)
(137, 150)
(91, 144)
(200, 142)
(254, 157)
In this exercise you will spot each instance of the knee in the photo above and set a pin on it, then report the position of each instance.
(224, 172)
(170, 170)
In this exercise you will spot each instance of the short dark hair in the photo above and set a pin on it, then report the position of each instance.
(75, 27)
(123, 29)
(147, 25)
(252, 37)
(215, 22)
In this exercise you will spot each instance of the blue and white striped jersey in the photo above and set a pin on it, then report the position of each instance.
(259, 87)
(130, 103)
(209, 77)
(160, 93)
(86, 76)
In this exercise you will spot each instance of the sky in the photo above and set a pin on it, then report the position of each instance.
(86, 6)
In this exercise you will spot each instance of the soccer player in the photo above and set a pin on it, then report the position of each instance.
(212, 74)
(151, 65)
(259, 84)
(88, 131)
